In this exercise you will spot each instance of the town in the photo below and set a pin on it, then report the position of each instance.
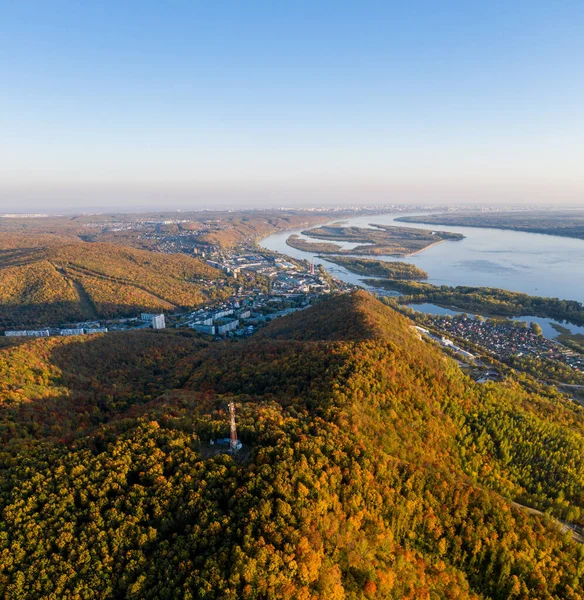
(290, 286)
(505, 339)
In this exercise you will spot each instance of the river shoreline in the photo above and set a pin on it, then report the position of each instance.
(529, 263)
(556, 233)
(426, 248)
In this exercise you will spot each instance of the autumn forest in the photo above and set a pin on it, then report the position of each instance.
(372, 468)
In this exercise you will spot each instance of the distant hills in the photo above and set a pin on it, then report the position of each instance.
(66, 281)
(372, 467)
(147, 230)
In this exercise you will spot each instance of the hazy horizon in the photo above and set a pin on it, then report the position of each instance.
(137, 105)
(84, 201)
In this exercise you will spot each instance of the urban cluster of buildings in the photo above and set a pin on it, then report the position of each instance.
(220, 321)
(506, 338)
(185, 239)
(155, 321)
(243, 316)
(90, 327)
(283, 276)
(116, 226)
(270, 287)
(233, 264)
(370, 208)
(55, 331)
(24, 216)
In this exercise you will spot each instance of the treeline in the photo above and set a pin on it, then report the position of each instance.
(485, 300)
(372, 468)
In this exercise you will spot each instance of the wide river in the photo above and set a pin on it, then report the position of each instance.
(539, 265)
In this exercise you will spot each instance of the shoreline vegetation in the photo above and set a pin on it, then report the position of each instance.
(560, 223)
(566, 337)
(378, 268)
(384, 240)
(483, 300)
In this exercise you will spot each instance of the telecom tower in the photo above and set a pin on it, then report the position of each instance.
(234, 443)
(312, 267)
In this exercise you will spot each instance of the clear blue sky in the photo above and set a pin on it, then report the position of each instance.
(105, 103)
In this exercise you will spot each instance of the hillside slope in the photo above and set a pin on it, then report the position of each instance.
(371, 468)
(76, 281)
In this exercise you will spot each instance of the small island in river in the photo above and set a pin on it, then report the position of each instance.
(375, 241)
(295, 241)
(379, 268)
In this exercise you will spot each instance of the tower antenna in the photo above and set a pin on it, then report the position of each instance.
(234, 443)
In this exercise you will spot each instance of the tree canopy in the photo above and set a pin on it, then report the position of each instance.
(372, 468)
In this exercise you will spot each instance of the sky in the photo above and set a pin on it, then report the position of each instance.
(206, 104)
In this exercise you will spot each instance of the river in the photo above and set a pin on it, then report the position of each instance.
(536, 264)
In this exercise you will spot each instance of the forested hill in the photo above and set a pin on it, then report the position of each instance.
(65, 282)
(371, 468)
(354, 316)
